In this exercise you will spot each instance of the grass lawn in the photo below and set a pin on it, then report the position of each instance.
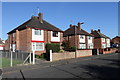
(6, 62)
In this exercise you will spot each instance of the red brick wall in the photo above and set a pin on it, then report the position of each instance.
(97, 43)
(17, 40)
(6, 47)
(86, 41)
(29, 38)
(23, 40)
(73, 40)
(84, 52)
(106, 51)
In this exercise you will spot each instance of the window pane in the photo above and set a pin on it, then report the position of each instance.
(37, 32)
(89, 37)
(55, 34)
(82, 46)
(81, 37)
(39, 46)
(90, 45)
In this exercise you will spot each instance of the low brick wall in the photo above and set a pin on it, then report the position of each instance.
(61, 56)
(84, 52)
(108, 50)
(68, 55)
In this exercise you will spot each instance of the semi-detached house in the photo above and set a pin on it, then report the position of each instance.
(100, 40)
(78, 37)
(34, 34)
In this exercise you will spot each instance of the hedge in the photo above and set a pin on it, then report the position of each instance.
(55, 47)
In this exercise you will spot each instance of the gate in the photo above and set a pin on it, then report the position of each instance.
(95, 52)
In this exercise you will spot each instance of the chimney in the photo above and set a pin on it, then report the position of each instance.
(40, 17)
(91, 30)
(79, 27)
(74, 25)
(99, 30)
(70, 25)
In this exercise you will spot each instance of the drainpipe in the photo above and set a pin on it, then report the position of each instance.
(75, 44)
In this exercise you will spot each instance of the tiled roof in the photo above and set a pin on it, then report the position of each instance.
(97, 34)
(35, 23)
(71, 31)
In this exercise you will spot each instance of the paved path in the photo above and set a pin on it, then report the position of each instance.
(98, 67)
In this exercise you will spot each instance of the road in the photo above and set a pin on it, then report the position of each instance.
(99, 67)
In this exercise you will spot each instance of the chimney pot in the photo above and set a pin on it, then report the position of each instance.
(40, 15)
(79, 27)
(91, 30)
(70, 25)
(99, 30)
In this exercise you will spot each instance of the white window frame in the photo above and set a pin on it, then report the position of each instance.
(82, 46)
(104, 46)
(37, 31)
(81, 36)
(89, 37)
(54, 33)
(13, 34)
(34, 46)
(103, 39)
(90, 45)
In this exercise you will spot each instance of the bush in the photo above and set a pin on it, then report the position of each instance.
(40, 56)
(65, 44)
(37, 56)
(55, 47)
(61, 51)
(72, 48)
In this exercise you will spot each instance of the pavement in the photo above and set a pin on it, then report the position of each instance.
(97, 66)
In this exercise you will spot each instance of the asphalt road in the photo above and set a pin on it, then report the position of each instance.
(98, 68)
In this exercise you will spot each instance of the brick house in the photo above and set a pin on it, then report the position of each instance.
(1, 44)
(34, 34)
(100, 40)
(6, 45)
(78, 37)
(116, 40)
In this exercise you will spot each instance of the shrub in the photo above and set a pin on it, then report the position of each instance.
(65, 44)
(61, 51)
(40, 56)
(72, 48)
(37, 56)
(55, 47)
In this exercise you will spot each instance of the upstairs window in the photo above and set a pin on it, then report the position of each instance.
(55, 34)
(89, 37)
(81, 37)
(13, 35)
(37, 32)
(103, 39)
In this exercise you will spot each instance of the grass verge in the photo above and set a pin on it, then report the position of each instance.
(6, 62)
